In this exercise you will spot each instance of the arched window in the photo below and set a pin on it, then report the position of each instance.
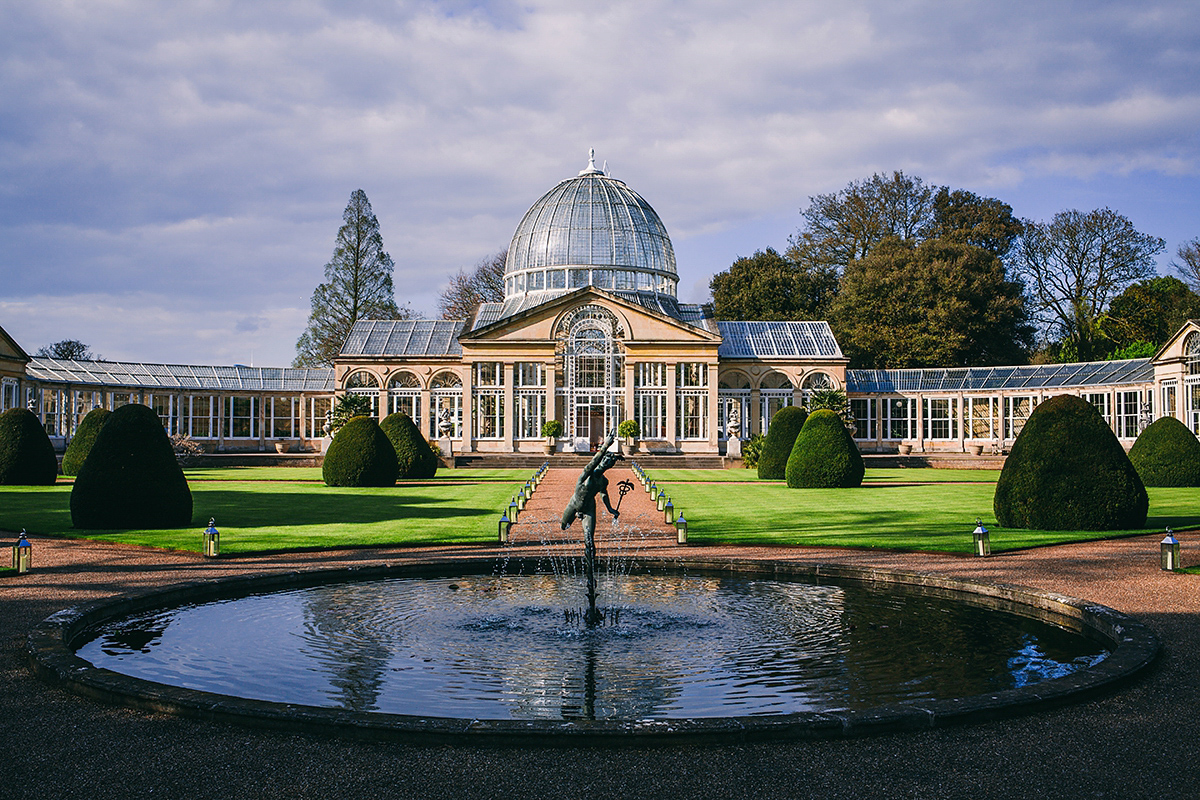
(733, 405)
(446, 380)
(362, 380)
(817, 381)
(404, 380)
(733, 380)
(775, 380)
(775, 393)
(404, 395)
(1191, 350)
(593, 362)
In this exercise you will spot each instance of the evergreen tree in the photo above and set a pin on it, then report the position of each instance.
(358, 285)
(768, 286)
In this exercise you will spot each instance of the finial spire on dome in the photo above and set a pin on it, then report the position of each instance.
(591, 167)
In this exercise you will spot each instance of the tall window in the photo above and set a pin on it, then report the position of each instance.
(164, 406)
(201, 414)
(691, 382)
(1169, 402)
(982, 417)
(529, 397)
(283, 417)
(318, 415)
(900, 419)
(862, 409)
(1127, 414)
(774, 394)
(242, 418)
(446, 403)
(650, 399)
(941, 417)
(9, 394)
(1016, 411)
(733, 399)
(1103, 403)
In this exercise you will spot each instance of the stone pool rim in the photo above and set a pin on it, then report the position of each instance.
(50, 648)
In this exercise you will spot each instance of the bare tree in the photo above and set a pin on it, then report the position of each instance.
(484, 283)
(1188, 263)
(1076, 264)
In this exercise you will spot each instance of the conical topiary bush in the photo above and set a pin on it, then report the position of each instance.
(414, 457)
(1067, 471)
(26, 456)
(85, 436)
(130, 478)
(1167, 454)
(824, 455)
(360, 455)
(781, 435)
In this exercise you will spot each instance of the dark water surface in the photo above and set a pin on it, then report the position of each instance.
(502, 647)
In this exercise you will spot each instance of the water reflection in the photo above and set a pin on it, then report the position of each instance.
(501, 647)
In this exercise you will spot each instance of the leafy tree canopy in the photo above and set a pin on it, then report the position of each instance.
(768, 286)
(982, 221)
(1149, 311)
(484, 283)
(1075, 265)
(358, 285)
(940, 303)
(70, 349)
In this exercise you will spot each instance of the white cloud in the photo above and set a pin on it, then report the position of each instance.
(206, 150)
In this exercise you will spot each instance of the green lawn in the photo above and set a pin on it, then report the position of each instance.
(276, 508)
(270, 515)
(873, 475)
(938, 515)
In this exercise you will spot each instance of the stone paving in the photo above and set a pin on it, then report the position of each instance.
(1143, 741)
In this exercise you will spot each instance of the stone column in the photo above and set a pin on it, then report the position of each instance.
(672, 405)
(509, 417)
(467, 444)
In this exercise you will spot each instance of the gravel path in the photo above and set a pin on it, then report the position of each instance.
(1141, 742)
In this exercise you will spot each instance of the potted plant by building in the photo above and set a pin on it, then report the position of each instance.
(629, 430)
(551, 429)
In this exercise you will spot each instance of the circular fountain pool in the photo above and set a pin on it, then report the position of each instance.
(722, 654)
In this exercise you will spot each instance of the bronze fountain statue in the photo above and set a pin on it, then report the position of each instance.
(583, 505)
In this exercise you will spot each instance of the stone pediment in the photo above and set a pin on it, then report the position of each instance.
(10, 350)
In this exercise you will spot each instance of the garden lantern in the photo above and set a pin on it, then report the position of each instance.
(528, 490)
(681, 528)
(1168, 552)
(22, 555)
(651, 487)
(669, 513)
(983, 546)
(512, 511)
(504, 526)
(212, 539)
(662, 501)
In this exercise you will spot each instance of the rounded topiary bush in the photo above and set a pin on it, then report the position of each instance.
(781, 435)
(1167, 454)
(1067, 471)
(824, 455)
(360, 455)
(85, 436)
(26, 455)
(130, 478)
(414, 457)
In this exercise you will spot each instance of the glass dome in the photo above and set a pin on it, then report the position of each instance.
(591, 230)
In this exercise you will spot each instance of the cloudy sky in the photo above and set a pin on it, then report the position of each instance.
(172, 175)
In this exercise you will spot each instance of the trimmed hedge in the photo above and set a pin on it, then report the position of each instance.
(781, 435)
(26, 456)
(130, 478)
(1167, 454)
(360, 455)
(83, 440)
(824, 455)
(1068, 472)
(414, 457)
